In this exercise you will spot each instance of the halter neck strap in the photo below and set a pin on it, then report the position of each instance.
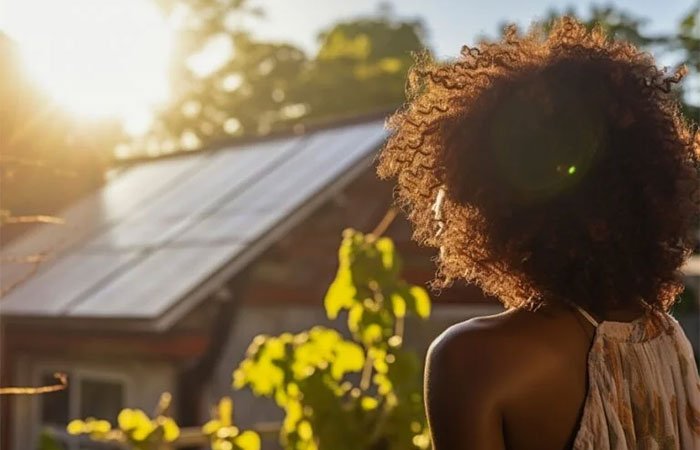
(587, 316)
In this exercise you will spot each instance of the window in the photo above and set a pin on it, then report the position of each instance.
(101, 399)
(88, 394)
(55, 406)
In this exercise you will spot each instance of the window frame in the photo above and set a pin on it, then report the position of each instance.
(76, 374)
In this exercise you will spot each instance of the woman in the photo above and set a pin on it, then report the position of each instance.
(556, 173)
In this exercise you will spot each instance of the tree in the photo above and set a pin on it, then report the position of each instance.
(224, 83)
(261, 87)
(361, 66)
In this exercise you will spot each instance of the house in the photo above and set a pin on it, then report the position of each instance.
(160, 279)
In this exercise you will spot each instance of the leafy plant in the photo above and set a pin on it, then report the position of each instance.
(136, 429)
(223, 435)
(361, 392)
(358, 393)
(140, 432)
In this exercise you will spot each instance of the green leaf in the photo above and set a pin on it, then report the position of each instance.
(266, 378)
(225, 411)
(349, 358)
(305, 431)
(372, 334)
(398, 304)
(369, 403)
(75, 427)
(227, 432)
(340, 294)
(135, 421)
(384, 385)
(170, 429)
(325, 338)
(239, 375)
(211, 427)
(248, 440)
(379, 360)
(294, 415)
(274, 348)
(390, 260)
(355, 317)
(127, 419)
(100, 427)
(422, 301)
(144, 428)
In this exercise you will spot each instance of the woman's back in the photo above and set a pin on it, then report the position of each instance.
(518, 380)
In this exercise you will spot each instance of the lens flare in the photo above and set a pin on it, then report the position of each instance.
(96, 58)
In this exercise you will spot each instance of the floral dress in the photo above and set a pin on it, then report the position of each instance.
(643, 387)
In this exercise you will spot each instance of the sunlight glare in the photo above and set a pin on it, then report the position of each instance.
(212, 57)
(97, 58)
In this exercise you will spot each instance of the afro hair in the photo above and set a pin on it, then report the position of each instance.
(549, 167)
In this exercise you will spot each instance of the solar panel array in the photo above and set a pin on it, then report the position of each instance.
(157, 230)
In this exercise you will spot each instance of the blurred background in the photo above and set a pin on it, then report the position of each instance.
(176, 176)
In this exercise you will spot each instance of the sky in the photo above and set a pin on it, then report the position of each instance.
(450, 23)
(103, 58)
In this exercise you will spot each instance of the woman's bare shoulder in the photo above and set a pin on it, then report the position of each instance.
(483, 372)
(491, 350)
(474, 351)
(468, 372)
(487, 334)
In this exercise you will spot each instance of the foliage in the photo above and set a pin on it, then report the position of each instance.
(339, 393)
(257, 88)
(137, 431)
(240, 91)
(361, 66)
(359, 393)
(223, 435)
(260, 87)
(135, 428)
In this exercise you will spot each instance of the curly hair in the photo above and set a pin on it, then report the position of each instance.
(549, 168)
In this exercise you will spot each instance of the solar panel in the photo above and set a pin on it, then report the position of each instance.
(150, 286)
(326, 155)
(53, 291)
(96, 211)
(227, 226)
(165, 227)
(226, 171)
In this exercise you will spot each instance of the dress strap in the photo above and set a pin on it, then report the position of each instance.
(587, 316)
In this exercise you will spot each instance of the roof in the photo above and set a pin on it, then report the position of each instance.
(161, 236)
